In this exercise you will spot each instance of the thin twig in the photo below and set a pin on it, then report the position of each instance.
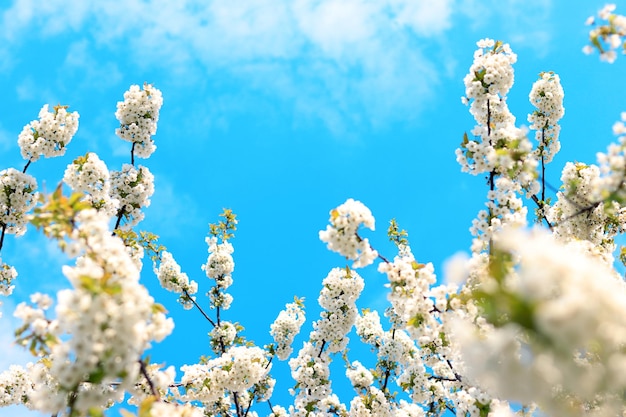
(144, 372)
(199, 308)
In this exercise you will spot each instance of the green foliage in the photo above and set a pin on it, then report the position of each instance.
(56, 216)
(224, 228)
(397, 236)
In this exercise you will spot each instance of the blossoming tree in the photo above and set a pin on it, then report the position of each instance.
(532, 321)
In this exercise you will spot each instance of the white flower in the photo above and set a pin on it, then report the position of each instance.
(571, 335)
(18, 198)
(7, 275)
(138, 115)
(359, 376)
(50, 135)
(132, 187)
(547, 96)
(286, 327)
(89, 174)
(238, 369)
(342, 233)
(172, 279)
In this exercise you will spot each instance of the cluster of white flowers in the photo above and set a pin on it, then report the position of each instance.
(547, 96)
(17, 197)
(138, 115)
(236, 370)
(396, 355)
(567, 346)
(579, 219)
(342, 233)
(35, 317)
(219, 267)
(491, 74)
(162, 381)
(498, 146)
(310, 369)
(89, 174)
(49, 135)
(223, 334)
(368, 327)
(360, 377)
(340, 290)
(103, 324)
(410, 284)
(165, 409)
(609, 38)
(132, 187)
(7, 275)
(504, 208)
(172, 279)
(610, 184)
(286, 327)
(16, 386)
(372, 404)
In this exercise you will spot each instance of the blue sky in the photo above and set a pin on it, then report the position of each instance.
(281, 110)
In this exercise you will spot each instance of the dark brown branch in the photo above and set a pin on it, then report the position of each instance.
(144, 372)
(199, 308)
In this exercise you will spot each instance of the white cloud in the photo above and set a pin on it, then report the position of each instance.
(526, 23)
(335, 26)
(93, 73)
(425, 17)
(346, 62)
(325, 56)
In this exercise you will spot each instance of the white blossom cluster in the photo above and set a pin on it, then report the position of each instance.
(286, 327)
(89, 174)
(223, 334)
(161, 379)
(103, 324)
(395, 349)
(17, 197)
(612, 164)
(568, 355)
(132, 187)
(173, 279)
(166, 409)
(342, 234)
(138, 115)
(310, 369)
(219, 267)
(504, 208)
(49, 135)
(498, 146)
(35, 317)
(7, 275)
(16, 386)
(547, 96)
(607, 38)
(429, 371)
(410, 284)
(372, 404)
(340, 290)
(360, 377)
(237, 370)
(578, 219)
